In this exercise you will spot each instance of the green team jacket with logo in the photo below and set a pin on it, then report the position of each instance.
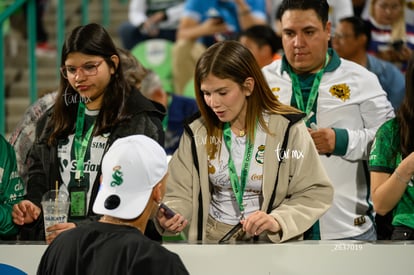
(11, 188)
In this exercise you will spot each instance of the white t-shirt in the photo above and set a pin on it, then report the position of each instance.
(92, 161)
(224, 207)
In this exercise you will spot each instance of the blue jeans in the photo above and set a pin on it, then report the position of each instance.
(369, 235)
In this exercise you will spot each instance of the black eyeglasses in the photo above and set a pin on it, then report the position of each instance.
(88, 69)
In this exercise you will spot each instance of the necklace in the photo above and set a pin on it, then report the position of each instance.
(108, 219)
(242, 132)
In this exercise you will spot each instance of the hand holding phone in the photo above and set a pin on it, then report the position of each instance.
(168, 213)
(236, 229)
(397, 45)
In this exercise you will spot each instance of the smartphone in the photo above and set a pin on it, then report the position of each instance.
(168, 213)
(230, 234)
(397, 45)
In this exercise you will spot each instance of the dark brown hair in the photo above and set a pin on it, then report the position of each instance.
(91, 39)
(405, 114)
(321, 7)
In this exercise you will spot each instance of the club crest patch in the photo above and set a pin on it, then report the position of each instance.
(341, 91)
(260, 154)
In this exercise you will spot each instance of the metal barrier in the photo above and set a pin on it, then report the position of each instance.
(290, 258)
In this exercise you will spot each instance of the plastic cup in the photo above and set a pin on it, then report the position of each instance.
(55, 206)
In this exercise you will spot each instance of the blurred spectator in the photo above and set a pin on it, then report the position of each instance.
(179, 108)
(150, 19)
(205, 22)
(391, 37)
(23, 135)
(18, 21)
(43, 48)
(358, 6)
(263, 42)
(409, 11)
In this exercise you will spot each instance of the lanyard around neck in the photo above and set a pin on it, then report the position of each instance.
(81, 143)
(297, 91)
(238, 186)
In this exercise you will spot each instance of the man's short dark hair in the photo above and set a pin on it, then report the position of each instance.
(359, 27)
(321, 7)
(263, 35)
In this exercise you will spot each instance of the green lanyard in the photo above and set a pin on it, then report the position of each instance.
(81, 143)
(165, 122)
(238, 187)
(297, 91)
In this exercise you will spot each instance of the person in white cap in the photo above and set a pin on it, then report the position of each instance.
(134, 172)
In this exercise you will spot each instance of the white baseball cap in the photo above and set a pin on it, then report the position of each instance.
(131, 168)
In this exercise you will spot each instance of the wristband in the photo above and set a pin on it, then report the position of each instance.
(401, 179)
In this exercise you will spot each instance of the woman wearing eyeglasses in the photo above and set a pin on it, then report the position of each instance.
(95, 105)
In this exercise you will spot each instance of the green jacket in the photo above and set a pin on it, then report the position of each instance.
(11, 189)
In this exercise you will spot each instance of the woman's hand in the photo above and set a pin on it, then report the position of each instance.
(212, 26)
(404, 54)
(25, 212)
(393, 55)
(175, 224)
(258, 222)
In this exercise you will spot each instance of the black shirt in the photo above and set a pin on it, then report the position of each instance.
(102, 248)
